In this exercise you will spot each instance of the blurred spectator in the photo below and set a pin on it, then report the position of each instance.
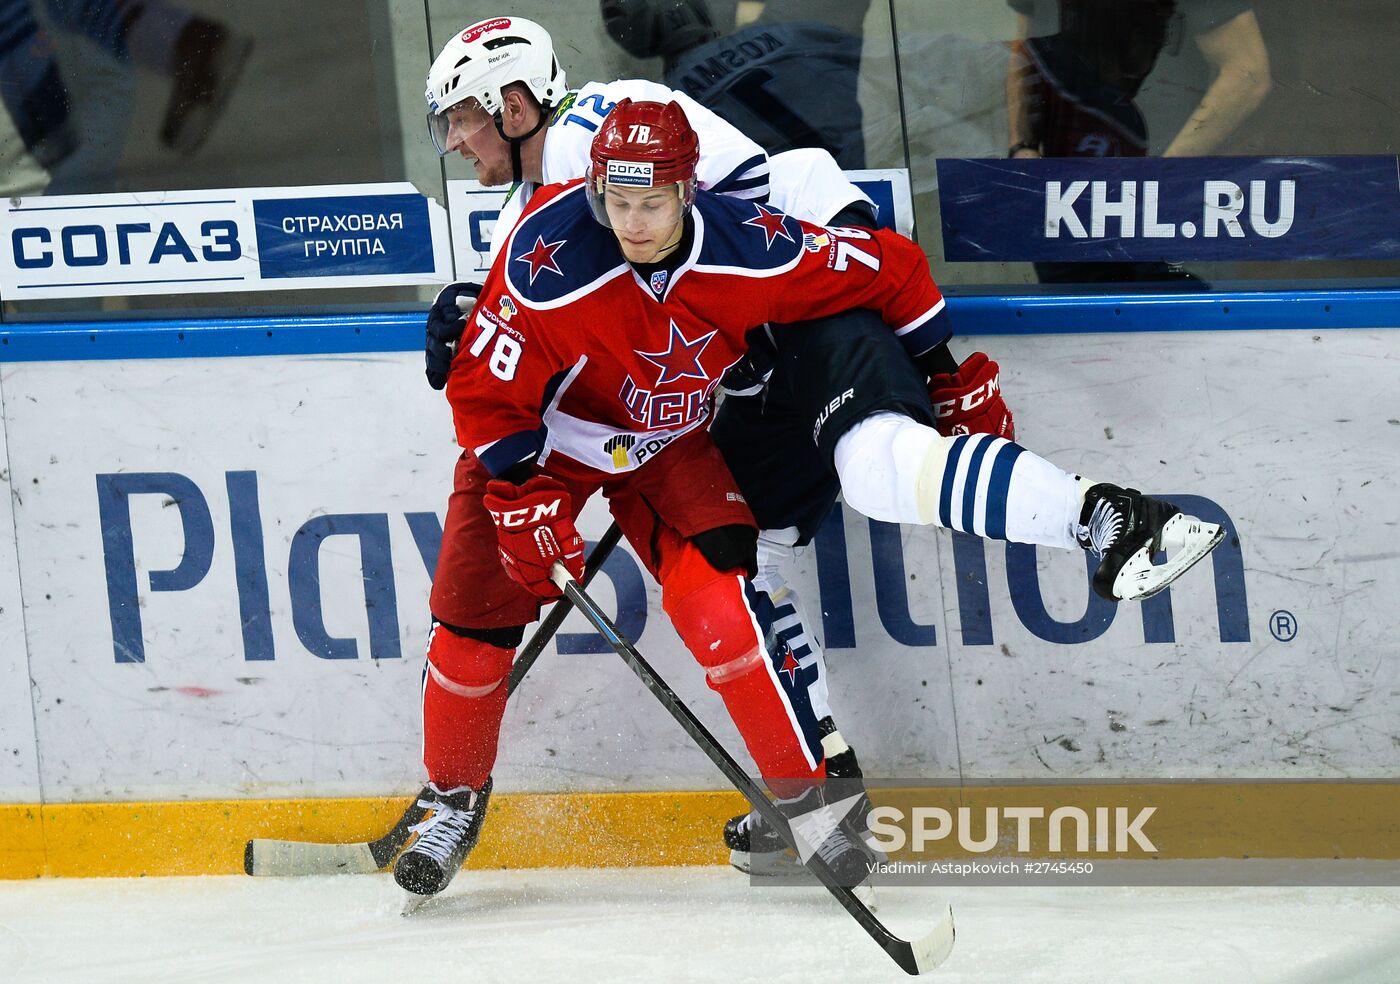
(786, 78)
(1077, 69)
(34, 93)
(1235, 76)
(201, 57)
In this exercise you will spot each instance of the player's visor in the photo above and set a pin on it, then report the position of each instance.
(635, 197)
(440, 125)
(437, 129)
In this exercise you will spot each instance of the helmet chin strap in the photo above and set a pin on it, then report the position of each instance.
(670, 247)
(517, 142)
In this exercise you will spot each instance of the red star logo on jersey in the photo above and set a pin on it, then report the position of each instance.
(681, 360)
(790, 667)
(542, 258)
(771, 223)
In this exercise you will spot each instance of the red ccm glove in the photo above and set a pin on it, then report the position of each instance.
(969, 400)
(534, 529)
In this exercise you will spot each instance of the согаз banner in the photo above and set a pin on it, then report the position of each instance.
(188, 242)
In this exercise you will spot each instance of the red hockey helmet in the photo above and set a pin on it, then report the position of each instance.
(643, 145)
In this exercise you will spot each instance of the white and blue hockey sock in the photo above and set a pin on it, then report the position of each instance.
(787, 620)
(900, 471)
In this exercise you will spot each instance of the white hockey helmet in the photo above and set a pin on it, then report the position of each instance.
(483, 59)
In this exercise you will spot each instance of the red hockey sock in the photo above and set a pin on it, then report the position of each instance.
(464, 699)
(709, 611)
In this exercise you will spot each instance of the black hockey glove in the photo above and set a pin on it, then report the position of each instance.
(446, 320)
(749, 375)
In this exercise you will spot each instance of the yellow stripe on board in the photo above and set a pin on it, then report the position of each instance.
(523, 830)
(532, 830)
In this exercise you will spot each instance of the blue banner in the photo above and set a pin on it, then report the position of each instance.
(351, 235)
(881, 192)
(1154, 208)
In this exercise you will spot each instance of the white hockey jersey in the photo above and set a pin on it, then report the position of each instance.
(808, 184)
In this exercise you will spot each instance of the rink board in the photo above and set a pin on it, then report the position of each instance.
(19, 763)
(225, 562)
(1323, 820)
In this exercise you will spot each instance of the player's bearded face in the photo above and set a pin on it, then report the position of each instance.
(646, 221)
(472, 133)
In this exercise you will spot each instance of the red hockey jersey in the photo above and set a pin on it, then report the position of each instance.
(570, 355)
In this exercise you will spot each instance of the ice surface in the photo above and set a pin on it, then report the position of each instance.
(676, 924)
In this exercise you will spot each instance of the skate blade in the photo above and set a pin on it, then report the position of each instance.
(412, 902)
(1187, 541)
(865, 892)
(766, 865)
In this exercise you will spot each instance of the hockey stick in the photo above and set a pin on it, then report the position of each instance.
(917, 957)
(262, 856)
(527, 656)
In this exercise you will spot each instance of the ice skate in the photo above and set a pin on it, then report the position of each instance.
(445, 838)
(1126, 528)
(755, 848)
(820, 825)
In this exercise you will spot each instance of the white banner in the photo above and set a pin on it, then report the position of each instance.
(225, 566)
(473, 210)
(888, 188)
(247, 239)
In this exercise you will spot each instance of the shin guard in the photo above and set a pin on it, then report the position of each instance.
(712, 614)
(464, 699)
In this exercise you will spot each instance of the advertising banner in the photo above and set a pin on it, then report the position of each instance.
(1154, 208)
(226, 563)
(888, 188)
(248, 239)
(19, 766)
(473, 210)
